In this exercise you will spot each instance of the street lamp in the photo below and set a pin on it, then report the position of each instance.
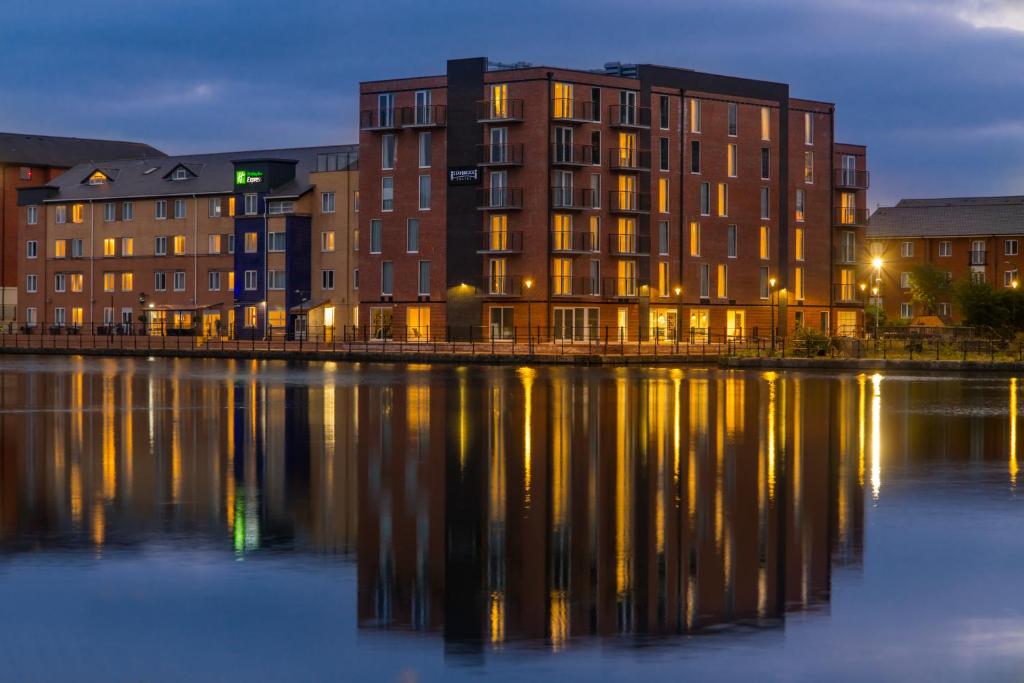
(528, 283)
(771, 309)
(679, 310)
(874, 293)
(1013, 304)
(863, 298)
(877, 264)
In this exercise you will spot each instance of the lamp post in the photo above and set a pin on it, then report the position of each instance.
(874, 293)
(877, 263)
(679, 310)
(528, 283)
(771, 309)
(142, 315)
(1013, 320)
(863, 297)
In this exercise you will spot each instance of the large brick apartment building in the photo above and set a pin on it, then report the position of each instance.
(980, 237)
(246, 244)
(29, 161)
(636, 201)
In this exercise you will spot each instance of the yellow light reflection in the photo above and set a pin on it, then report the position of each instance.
(526, 376)
(876, 435)
(771, 378)
(1013, 432)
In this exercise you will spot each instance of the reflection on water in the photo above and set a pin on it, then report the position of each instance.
(486, 505)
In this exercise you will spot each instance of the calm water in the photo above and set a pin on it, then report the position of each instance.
(170, 520)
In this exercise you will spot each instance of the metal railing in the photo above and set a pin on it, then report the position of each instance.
(497, 111)
(500, 198)
(626, 244)
(629, 159)
(574, 155)
(620, 201)
(851, 179)
(564, 109)
(851, 216)
(501, 242)
(378, 119)
(423, 116)
(573, 198)
(568, 241)
(507, 154)
(503, 285)
(629, 116)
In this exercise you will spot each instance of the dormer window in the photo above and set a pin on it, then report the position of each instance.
(98, 178)
(180, 174)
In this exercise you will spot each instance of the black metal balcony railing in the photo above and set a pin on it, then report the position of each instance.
(499, 198)
(851, 179)
(503, 285)
(977, 257)
(846, 254)
(568, 242)
(571, 198)
(620, 201)
(424, 116)
(629, 116)
(499, 111)
(617, 287)
(568, 110)
(508, 154)
(621, 244)
(629, 159)
(566, 285)
(378, 119)
(851, 216)
(573, 155)
(848, 294)
(501, 242)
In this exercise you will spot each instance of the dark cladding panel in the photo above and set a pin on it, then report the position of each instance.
(464, 133)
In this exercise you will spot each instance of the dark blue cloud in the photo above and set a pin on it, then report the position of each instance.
(933, 88)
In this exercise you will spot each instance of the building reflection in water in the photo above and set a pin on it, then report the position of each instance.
(485, 505)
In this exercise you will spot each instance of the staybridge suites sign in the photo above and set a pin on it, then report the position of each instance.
(464, 175)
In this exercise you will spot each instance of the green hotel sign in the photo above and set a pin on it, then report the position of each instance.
(248, 177)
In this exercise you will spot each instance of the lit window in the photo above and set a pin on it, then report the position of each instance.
(251, 317)
(127, 282)
(109, 246)
(723, 199)
(77, 213)
(808, 129)
(808, 167)
(214, 244)
(60, 248)
(798, 247)
(127, 246)
(764, 243)
(76, 280)
(731, 160)
(109, 281)
(97, 178)
(327, 240)
(562, 102)
(663, 195)
(179, 245)
(801, 208)
(251, 242)
(766, 123)
(694, 115)
(694, 238)
(723, 281)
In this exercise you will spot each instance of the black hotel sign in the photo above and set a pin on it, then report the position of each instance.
(464, 175)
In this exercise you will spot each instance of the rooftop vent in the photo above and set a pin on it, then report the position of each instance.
(503, 66)
(620, 69)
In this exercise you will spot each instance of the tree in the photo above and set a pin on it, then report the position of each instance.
(979, 304)
(929, 285)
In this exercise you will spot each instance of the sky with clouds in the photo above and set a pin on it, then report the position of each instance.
(933, 87)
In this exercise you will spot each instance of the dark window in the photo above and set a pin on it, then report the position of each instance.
(595, 99)
(694, 156)
(595, 147)
(664, 154)
(663, 110)
(732, 118)
(765, 163)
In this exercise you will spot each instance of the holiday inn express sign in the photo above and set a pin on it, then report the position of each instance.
(248, 177)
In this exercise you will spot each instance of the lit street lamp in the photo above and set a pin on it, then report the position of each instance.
(877, 264)
(771, 308)
(528, 282)
(863, 297)
(679, 310)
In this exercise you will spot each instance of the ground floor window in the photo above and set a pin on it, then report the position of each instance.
(418, 323)
(622, 323)
(700, 319)
(664, 323)
(157, 322)
(734, 322)
(502, 322)
(380, 322)
(823, 325)
(277, 318)
(576, 323)
(906, 311)
(31, 317)
(846, 323)
(251, 317)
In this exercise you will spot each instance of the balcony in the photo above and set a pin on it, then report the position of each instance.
(573, 199)
(849, 294)
(574, 155)
(378, 119)
(500, 155)
(846, 255)
(564, 110)
(501, 242)
(851, 216)
(628, 202)
(567, 242)
(629, 116)
(621, 244)
(499, 198)
(977, 257)
(428, 116)
(503, 285)
(851, 179)
(629, 159)
(564, 285)
(499, 111)
(621, 288)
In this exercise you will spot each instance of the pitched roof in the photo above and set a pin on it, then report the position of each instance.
(48, 150)
(953, 217)
(211, 174)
